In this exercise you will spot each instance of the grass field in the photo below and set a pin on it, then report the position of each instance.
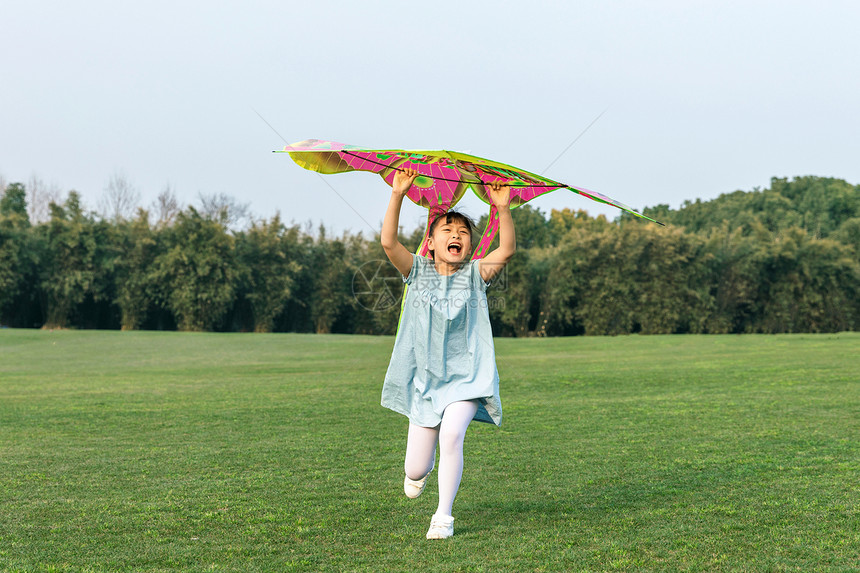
(152, 451)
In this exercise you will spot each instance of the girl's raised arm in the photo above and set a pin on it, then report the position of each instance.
(493, 263)
(399, 255)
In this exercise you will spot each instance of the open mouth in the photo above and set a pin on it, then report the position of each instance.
(454, 248)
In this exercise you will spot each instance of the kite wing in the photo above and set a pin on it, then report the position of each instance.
(444, 176)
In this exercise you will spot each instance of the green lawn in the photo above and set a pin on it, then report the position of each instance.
(151, 451)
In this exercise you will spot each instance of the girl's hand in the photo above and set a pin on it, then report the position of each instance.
(500, 195)
(403, 181)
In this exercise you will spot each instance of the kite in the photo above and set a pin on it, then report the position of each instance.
(444, 177)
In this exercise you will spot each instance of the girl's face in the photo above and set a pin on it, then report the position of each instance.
(451, 242)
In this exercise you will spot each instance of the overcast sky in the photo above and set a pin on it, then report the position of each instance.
(700, 98)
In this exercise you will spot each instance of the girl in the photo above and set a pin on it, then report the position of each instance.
(443, 373)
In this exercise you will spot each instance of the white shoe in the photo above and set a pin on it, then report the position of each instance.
(413, 488)
(441, 527)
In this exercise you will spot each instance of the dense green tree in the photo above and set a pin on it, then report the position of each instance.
(512, 295)
(76, 264)
(334, 264)
(849, 234)
(822, 204)
(672, 294)
(817, 204)
(517, 297)
(561, 221)
(782, 259)
(531, 227)
(17, 252)
(806, 285)
(267, 255)
(568, 280)
(636, 278)
(534, 230)
(376, 288)
(13, 204)
(731, 273)
(607, 294)
(196, 273)
(138, 248)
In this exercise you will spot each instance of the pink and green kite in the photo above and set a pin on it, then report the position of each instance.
(444, 177)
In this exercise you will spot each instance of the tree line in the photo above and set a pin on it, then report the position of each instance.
(783, 259)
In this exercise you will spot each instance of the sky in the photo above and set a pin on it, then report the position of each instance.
(692, 99)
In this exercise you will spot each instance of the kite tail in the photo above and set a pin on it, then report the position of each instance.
(483, 246)
(423, 249)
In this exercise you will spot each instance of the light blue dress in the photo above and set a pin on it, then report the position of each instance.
(444, 349)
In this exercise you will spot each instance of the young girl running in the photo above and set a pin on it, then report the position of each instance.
(443, 373)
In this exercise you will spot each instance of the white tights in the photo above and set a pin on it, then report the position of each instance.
(421, 451)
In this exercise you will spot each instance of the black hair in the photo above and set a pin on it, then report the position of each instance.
(450, 217)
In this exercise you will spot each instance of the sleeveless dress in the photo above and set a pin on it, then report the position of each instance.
(443, 352)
